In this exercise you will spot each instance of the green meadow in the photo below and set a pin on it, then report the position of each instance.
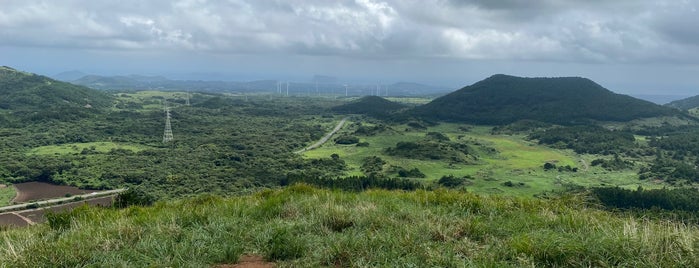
(517, 163)
(7, 193)
(300, 226)
(77, 148)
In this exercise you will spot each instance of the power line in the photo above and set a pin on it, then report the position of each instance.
(167, 136)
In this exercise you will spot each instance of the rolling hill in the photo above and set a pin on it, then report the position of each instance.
(685, 104)
(502, 99)
(25, 93)
(370, 105)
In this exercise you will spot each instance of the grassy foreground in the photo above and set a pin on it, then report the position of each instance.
(7, 193)
(301, 226)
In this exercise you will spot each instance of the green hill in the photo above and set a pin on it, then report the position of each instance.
(502, 99)
(685, 104)
(300, 226)
(370, 105)
(27, 92)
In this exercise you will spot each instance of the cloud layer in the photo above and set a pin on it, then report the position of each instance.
(622, 31)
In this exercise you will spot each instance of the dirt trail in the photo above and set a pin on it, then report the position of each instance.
(326, 138)
(249, 261)
(585, 164)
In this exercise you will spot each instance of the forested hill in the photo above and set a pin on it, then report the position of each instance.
(503, 99)
(27, 92)
(685, 104)
(370, 105)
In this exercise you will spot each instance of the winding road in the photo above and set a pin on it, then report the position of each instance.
(326, 138)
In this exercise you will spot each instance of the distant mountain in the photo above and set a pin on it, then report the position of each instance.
(502, 99)
(321, 85)
(370, 105)
(23, 93)
(415, 89)
(685, 104)
(68, 76)
(659, 98)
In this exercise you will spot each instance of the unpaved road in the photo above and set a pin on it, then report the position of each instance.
(324, 139)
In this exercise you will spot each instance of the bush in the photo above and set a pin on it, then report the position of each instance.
(450, 181)
(59, 221)
(346, 139)
(413, 173)
(134, 197)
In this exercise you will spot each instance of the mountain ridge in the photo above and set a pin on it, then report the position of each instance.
(29, 93)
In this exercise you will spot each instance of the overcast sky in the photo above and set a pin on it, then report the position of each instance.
(628, 46)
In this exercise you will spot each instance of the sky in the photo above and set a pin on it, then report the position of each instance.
(627, 46)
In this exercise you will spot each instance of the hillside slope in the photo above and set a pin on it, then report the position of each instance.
(685, 104)
(502, 99)
(22, 91)
(370, 105)
(301, 226)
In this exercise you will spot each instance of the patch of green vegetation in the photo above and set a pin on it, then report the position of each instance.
(86, 148)
(6, 195)
(514, 159)
(304, 227)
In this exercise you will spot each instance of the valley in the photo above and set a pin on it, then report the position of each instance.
(275, 175)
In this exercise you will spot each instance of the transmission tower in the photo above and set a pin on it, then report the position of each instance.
(167, 137)
(187, 99)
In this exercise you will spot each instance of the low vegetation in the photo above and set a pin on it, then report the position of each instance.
(304, 227)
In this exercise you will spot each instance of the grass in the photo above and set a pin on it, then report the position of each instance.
(76, 148)
(518, 161)
(6, 195)
(300, 226)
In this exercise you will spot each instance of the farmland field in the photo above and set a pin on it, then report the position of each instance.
(30, 191)
(38, 215)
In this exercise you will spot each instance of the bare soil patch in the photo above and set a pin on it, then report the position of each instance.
(31, 191)
(9, 219)
(2, 186)
(249, 261)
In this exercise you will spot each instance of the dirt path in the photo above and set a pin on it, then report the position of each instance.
(585, 164)
(326, 138)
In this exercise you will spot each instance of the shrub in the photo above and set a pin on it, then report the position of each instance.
(59, 221)
(451, 182)
(134, 197)
(346, 139)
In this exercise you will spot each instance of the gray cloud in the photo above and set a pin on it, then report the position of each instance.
(623, 31)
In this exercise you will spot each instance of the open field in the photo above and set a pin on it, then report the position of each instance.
(10, 219)
(32, 191)
(77, 148)
(304, 227)
(518, 161)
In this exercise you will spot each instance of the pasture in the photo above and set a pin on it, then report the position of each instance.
(86, 147)
(515, 169)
